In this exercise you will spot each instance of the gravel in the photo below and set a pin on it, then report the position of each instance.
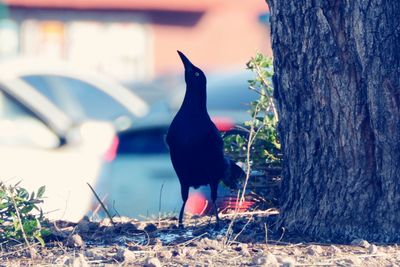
(161, 243)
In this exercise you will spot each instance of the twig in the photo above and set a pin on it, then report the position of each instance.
(283, 233)
(192, 240)
(248, 155)
(99, 206)
(16, 251)
(102, 204)
(239, 127)
(20, 220)
(142, 251)
(159, 204)
(271, 102)
(259, 212)
(235, 214)
(241, 230)
(62, 247)
(115, 210)
(148, 238)
(255, 90)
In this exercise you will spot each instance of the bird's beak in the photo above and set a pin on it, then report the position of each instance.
(186, 62)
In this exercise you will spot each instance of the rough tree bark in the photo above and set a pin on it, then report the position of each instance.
(337, 87)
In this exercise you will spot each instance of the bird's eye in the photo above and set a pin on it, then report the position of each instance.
(196, 74)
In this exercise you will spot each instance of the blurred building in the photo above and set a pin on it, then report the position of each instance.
(135, 39)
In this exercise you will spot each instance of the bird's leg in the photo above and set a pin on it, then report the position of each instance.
(214, 190)
(185, 195)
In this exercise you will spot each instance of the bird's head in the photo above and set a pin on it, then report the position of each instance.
(194, 77)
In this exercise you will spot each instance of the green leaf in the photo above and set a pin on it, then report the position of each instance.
(39, 238)
(45, 232)
(23, 193)
(27, 209)
(41, 191)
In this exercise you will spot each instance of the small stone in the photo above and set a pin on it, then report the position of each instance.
(191, 253)
(353, 260)
(95, 254)
(175, 253)
(210, 252)
(150, 228)
(220, 238)
(126, 256)
(360, 242)
(335, 250)
(372, 249)
(105, 222)
(152, 262)
(296, 252)
(76, 241)
(123, 220)
(242, 245)
(134, 246)
(209, 243)
(165, 254)
(268, 259)
(245, 251)
(314, 250)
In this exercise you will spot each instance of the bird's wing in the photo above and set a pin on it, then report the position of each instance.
(213, 136)
(211, 150)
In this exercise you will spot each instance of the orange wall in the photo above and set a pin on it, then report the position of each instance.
(173, 5)
(227, 35)
(214, 34)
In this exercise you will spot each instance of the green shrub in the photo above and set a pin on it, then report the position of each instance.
(20, 214)
(265, 147)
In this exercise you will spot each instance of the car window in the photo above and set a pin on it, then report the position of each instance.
(19, 126)
(230, 93)
(146, 141)
(78, 99)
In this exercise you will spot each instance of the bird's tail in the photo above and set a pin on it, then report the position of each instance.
(233, 174)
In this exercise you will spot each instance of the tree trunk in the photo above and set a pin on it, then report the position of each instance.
(337, 87)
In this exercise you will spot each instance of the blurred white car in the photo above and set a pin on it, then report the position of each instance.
(81, 94)
(41, 145)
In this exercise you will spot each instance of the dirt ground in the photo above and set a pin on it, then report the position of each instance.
(245, 242)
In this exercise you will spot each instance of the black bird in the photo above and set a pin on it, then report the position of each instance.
(195, 144)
